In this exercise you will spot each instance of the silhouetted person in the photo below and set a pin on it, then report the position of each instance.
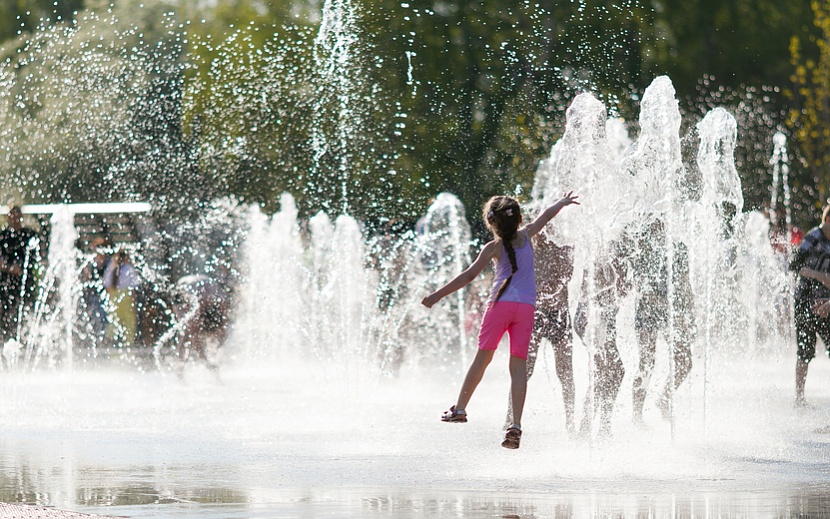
(389, 254)
(651, 275)
(121, 280)
(93, 287)
(610, 285)
(18, 255)
(202, 306)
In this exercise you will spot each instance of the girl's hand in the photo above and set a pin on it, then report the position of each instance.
(430, 300)
(545, 216)
(569, 199)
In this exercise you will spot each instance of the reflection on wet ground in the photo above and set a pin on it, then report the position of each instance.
(293, 443)
(93, 497)
(381, 503)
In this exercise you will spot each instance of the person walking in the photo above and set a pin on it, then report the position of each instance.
(603, 289)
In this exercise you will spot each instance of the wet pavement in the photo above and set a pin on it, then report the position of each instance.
(310, 440)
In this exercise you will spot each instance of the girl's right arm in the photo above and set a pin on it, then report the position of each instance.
(465, 278)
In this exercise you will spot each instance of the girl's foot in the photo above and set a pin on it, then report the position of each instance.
(512, 436)
(454, 415)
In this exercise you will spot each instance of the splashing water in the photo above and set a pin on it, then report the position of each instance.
(780, 181)
(332, 364)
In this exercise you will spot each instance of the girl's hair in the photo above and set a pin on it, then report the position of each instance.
(502, 216)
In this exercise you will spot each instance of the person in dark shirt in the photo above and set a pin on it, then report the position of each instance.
(811, 261)
(18, 251)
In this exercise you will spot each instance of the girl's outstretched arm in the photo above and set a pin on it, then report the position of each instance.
(465, 278)
(545, 216)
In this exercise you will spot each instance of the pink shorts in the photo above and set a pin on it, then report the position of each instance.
(507, 316)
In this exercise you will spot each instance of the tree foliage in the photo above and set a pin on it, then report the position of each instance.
(17, 16)
(484, 85)
(90, 110)
(809, 116)
(735, 44)
(374, 107)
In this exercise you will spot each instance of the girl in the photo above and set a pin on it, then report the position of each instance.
(510, 306)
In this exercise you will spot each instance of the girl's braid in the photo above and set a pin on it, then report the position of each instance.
(502, 216)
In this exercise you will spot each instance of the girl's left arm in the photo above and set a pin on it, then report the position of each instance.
(463, 279)
(545, 216)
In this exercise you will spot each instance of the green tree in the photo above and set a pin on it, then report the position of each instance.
(484, 85)
(731, 44)
(809, 116)
(238, 97)
(732, 54)
(24, 16)
(88, 110)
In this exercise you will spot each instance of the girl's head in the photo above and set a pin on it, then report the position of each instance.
(502, 216)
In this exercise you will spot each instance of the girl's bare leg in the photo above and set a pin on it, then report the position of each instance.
(532, 356)
(563, 351)
(648, 346)
(518, 387)
(474, 375)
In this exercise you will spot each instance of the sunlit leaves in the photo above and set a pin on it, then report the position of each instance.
(809, 117)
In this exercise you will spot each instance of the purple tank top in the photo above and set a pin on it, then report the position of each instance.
(522, 288)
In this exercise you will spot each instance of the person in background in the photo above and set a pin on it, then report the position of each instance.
(609, 286)
(812, 263)
(389, 252)
(121, 281)
(93, 288)
(654, 305)
(202, 306)
(19, 247)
